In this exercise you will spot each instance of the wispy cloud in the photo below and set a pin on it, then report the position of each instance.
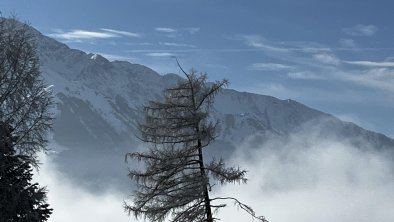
(371, 63)
(304, 75)
(83, 34)
(160, 54)
(176, 44)
(269, 66)
(361, 30)
(185, 50)
(78, 35)
(321, 71)
(378, 78)
(259, 42)
(327, 59)
(119, 32)
(374, 75)
(113, 57)
(165, 29)
(315, 62)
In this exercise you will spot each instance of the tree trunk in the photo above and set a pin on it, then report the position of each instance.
(204, 176)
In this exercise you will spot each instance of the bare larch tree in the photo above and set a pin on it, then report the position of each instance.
(25, 100)
(176, 182)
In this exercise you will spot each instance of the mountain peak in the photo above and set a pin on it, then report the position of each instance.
(98, 58)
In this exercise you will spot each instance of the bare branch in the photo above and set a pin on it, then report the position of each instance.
(25, 102)
(243, 206)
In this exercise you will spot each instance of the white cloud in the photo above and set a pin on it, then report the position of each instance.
(259, 42)
(322, 64)
(327, 59)
(312, 178)
(165, 29)
(310, 64)
(306, 46)
(160, 54)
(361, 30)
(190, 30)
(77, 35)
(371, 63)
(71, 202)
(378, 78)
(176, 44)
(83, 34)
(269, 66)
(113, 57)
(125, 33)
(306, 75)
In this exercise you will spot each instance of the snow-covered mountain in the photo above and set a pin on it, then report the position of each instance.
(99, 105)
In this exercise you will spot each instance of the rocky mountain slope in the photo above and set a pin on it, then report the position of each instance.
(99, 105)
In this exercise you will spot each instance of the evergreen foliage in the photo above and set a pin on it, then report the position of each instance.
(176, 181)
(20, 200)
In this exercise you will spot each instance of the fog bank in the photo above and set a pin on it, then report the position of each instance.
(312, 179)
(72, 202)
(304, 178)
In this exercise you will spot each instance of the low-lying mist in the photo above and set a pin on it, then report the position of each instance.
(72, 202)
(303, 178)
(311, 179)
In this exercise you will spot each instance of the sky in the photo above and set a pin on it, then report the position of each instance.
(336, 56)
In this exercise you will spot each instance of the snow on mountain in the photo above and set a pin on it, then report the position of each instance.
(99, 105)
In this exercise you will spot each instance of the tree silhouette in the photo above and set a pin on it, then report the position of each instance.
(25, 118)
(25, 100)
(20, 200)
(176, 181)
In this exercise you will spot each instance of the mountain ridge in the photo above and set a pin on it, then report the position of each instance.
(100, 103)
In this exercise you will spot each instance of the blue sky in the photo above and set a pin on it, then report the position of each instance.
(335, 55)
